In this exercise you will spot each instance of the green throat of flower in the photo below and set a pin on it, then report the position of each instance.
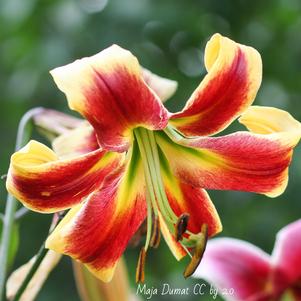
(159, 209)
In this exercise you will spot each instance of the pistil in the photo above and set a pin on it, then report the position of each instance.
(149, 154)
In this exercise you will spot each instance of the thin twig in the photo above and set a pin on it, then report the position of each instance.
(20, 213)
(23, 135)
(38, 259)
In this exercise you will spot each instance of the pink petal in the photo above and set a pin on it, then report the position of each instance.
(238, 265)
(286, 255)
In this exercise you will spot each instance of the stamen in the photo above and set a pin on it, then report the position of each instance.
(181, 226)
(156, 235)
(141, 266)
(157, 198)
(154, 151)
(149, 220)
(198, 252)
(153, 183)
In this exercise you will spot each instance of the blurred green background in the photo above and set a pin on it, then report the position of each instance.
(168, 37)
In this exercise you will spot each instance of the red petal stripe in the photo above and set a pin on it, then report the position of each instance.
(234, 76)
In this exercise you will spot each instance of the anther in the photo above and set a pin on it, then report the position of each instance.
(156, 234)
(198, 252)
(140, 266)
(181, 226)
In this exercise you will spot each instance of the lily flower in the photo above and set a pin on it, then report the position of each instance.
(134, 160)
(252, 274)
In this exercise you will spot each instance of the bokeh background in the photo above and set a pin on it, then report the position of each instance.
(168, 37)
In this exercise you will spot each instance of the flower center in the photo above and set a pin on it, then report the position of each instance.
(159, 209)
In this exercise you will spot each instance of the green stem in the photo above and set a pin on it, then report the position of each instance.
(23, 135)
(21, 213)
(39, 258)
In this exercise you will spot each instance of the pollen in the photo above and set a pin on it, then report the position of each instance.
(198, 252)
(181, 226)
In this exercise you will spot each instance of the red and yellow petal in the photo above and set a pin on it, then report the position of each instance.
(76, 142)
(43, 183)
(269, 120)
(197, 203)
(109, 91)
(174, 246)
(185, 198)
(97, 232)
(233, 79)
(54, 123)
(232, 264)
(241, 161)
